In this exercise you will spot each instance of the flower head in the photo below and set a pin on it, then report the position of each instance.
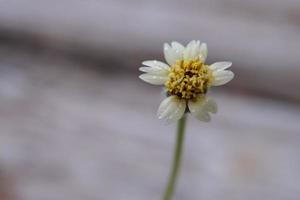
(186, 78)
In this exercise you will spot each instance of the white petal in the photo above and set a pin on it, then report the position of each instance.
(222, 77)
(171, 109)
(220, 66)
(192, 50)
(154, 79)
(171, 55)
(147, 69)
(201, 107)
(166, 107)
(156, 64)
(211, 106)
(154, 71)
(203, 116)
(197, 104)
(203, 52)
(177, 47)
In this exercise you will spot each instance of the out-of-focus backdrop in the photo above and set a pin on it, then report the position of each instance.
(76, 122)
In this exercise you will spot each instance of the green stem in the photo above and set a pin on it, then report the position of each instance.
(176, 160)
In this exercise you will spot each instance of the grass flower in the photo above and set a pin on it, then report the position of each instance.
(186, 79)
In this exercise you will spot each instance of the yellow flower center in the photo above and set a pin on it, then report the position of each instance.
(187, 79)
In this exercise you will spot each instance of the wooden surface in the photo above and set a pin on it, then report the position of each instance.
(71, 132)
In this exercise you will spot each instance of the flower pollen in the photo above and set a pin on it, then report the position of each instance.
(188, 78)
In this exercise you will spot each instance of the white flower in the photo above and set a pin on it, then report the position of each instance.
(186, 78)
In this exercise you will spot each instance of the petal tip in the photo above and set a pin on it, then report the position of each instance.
(166, 46)
(142, 69)
(142, 77)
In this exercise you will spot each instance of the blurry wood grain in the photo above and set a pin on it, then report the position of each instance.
(6, 186)
(71, 132)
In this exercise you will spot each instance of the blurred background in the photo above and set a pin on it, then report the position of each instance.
(77, 123)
